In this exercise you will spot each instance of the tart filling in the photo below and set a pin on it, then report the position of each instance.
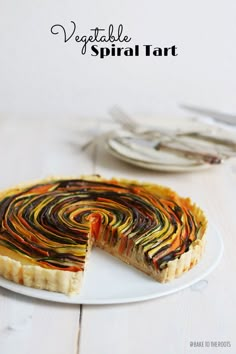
(51, 225)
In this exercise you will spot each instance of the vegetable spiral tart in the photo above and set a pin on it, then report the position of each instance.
(47, 230)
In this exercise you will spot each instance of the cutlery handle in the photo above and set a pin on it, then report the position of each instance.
(218, 116)
(208, 158)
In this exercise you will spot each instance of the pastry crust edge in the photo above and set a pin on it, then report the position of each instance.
(38, 277)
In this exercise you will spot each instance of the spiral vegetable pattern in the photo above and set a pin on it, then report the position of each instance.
(52, 222)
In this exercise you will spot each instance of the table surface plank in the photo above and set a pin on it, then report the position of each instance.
(203, 312)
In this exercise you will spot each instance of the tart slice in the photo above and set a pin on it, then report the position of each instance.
(47, 230)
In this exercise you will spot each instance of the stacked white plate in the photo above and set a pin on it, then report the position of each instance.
(142, 152)
(154, 160)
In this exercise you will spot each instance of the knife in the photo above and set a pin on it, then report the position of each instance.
(218, 116)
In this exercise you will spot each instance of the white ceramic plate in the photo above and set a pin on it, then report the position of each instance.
(110, 281)
(171, 165)
(142, 154)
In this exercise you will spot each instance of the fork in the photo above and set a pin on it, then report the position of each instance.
(129, 124)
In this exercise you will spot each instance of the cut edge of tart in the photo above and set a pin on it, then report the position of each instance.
(26, 272)
(175, 268)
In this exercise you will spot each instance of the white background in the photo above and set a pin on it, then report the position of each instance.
(40, 74)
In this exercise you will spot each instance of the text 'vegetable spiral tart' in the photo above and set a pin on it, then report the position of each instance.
(47, 230)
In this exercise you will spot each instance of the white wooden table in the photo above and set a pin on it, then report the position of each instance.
(204, 312)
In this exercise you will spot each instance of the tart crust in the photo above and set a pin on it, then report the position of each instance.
(40, 278)
(69, 282)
